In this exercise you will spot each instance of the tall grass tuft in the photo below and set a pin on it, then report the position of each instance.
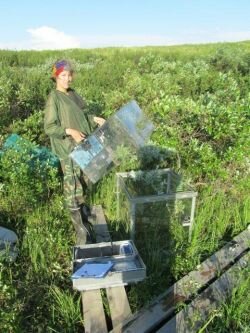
(66, 310)
(234, 315)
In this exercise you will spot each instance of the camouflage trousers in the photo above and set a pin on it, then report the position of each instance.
(74, 186)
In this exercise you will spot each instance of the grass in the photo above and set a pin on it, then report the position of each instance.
(186, 91)
(233, 316)
(38, 286)
(65, 308)
(36, 292)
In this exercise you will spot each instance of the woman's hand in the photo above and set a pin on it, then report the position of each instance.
(99, 121)
(75, 134)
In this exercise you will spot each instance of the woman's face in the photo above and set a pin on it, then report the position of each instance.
(63, 80)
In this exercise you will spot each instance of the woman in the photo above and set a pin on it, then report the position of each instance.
(67, 124)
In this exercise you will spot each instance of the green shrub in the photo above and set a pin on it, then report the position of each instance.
(27, 182)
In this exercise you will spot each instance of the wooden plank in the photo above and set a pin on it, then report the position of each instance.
(192, 317)
(94, 317)
(93, 311)
(100, 225)
(119, 306)
(117, 297)
(164, 305)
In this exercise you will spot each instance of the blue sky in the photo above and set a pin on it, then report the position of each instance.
(54, 24)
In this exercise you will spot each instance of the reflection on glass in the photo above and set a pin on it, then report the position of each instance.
(127, 127)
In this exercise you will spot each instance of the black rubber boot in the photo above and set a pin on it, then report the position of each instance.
(86, 215)
(81, 231)
(85, 211)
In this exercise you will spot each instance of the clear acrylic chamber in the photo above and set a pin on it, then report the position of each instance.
(127, 127)
(153, 198)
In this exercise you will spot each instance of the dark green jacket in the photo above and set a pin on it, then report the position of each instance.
(65, 111)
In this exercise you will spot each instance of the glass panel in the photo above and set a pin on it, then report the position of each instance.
(127, 127)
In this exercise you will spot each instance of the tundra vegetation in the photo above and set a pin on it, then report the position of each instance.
(198, 98)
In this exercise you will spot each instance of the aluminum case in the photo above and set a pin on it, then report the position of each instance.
(128, 266)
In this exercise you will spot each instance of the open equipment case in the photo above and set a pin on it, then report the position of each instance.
(106, 264)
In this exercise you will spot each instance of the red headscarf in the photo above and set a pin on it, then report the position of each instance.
(60, 66)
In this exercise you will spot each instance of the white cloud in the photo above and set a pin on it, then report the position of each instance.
(49, 38)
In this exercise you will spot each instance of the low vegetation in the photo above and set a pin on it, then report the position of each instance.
(198, 99)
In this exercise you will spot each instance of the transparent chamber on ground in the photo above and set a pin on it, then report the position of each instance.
(154, 201)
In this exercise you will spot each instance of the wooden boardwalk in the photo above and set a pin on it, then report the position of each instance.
(199, 292)
(95, 319)
(196, 295)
